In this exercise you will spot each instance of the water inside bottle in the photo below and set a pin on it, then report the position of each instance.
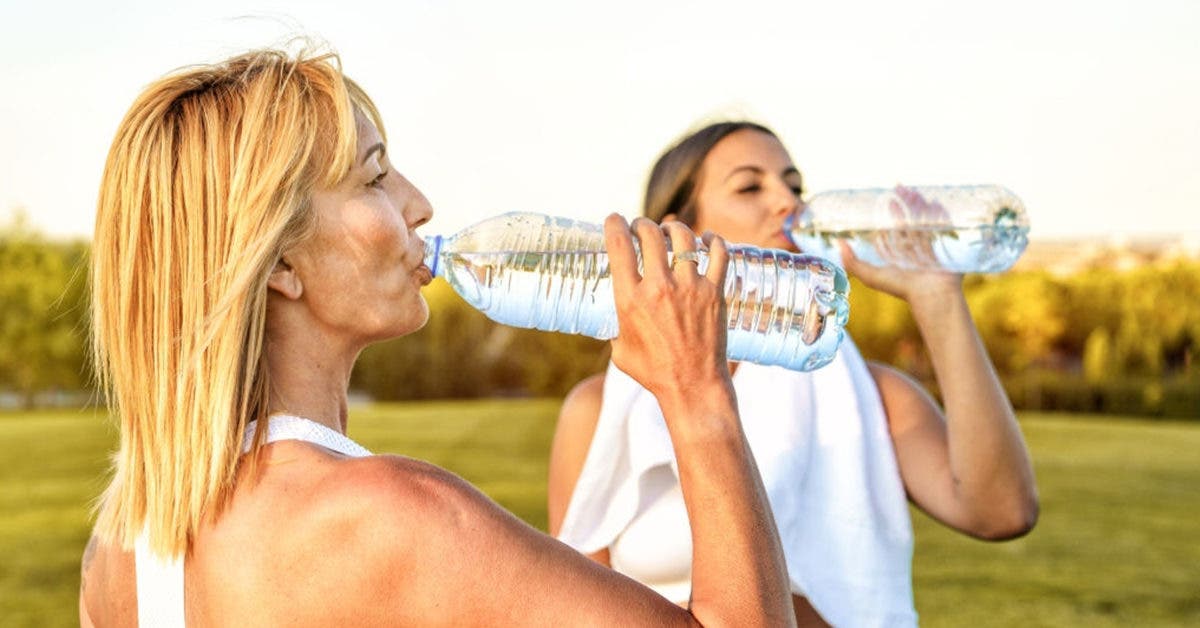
(569, 291)
(989, 248)
(973, 228)
(773, 319)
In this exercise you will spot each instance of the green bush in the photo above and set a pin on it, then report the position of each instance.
(1174, 397)
(1098, 341)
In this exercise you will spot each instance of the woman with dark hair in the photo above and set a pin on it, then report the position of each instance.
(839, 449)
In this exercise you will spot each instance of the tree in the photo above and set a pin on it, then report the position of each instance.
(42, 311)
(1021, 318)
(1098, 360)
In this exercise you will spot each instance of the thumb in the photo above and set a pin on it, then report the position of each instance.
(850, 261)
(868, 273)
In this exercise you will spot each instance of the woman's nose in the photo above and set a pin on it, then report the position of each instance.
(785, 200)
(418, 212)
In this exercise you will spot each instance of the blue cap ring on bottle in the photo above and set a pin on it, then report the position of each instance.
(433, 260)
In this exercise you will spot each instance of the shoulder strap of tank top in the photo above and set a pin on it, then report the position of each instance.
(288, 427)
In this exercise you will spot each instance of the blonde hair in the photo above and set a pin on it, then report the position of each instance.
(207, 183)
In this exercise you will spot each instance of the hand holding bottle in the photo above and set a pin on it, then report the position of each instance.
(672, 341)
(962, 229)
(910, 285)
(671, 317)
(907, 206)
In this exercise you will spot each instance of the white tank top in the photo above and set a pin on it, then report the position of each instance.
(656, 546)
(160, 582)
(826, 462)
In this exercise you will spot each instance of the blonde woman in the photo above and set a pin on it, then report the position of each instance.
(252, 237)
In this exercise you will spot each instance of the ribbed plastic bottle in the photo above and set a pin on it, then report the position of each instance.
(962, 229)
(542, 272)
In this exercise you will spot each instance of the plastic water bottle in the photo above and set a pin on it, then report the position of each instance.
(962, 229)
(535, 271)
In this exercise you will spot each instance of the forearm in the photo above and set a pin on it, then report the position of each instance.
(738, 570)
(989, 462)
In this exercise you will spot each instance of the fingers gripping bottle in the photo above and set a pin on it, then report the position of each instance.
(541, 272)
(962, 229)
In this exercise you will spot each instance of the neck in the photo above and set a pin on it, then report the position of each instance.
(308, 378)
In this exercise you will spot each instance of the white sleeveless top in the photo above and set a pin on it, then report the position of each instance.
(160, 582)
(822, 446)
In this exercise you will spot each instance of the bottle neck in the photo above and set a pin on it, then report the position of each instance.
(433, 254)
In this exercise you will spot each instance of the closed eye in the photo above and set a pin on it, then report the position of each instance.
(378, 180)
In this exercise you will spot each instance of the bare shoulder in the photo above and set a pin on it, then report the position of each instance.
(346, 538)
(581, 407)
(423, 545)
(381, 540)
(572, 440)
(393, 489)
(392, 500)
(432, 549)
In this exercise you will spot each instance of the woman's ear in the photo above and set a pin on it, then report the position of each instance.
(284, 280)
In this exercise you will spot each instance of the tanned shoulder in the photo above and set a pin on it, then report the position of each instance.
(389, 531)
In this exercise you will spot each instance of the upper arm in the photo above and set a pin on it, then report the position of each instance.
(107, 585)
(969, 485)
(572, 439)
(920, 439)
(443, 553)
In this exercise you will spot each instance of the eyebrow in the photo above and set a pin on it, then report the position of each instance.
(756, 170)
(377, 148)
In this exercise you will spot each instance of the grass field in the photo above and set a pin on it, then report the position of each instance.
(1118, 543)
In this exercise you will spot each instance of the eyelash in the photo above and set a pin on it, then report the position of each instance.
(378, 181)
(750, 189)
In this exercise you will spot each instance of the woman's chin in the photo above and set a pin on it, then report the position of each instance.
(415, 318)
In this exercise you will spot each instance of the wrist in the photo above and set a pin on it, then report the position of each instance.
(934, 305)
(702, 409)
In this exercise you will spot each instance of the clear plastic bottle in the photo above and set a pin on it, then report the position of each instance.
(963, 229)
(535, 271)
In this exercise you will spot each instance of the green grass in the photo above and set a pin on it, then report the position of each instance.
(52, 470)
(1118, 543)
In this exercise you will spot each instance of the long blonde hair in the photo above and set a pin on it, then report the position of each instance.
(206, 184)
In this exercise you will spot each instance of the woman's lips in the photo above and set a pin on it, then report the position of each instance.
(781, 241)
(424, 275)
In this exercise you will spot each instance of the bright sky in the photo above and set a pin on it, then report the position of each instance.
(1089, 110)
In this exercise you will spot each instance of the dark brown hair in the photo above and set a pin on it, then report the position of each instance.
(672, 185)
